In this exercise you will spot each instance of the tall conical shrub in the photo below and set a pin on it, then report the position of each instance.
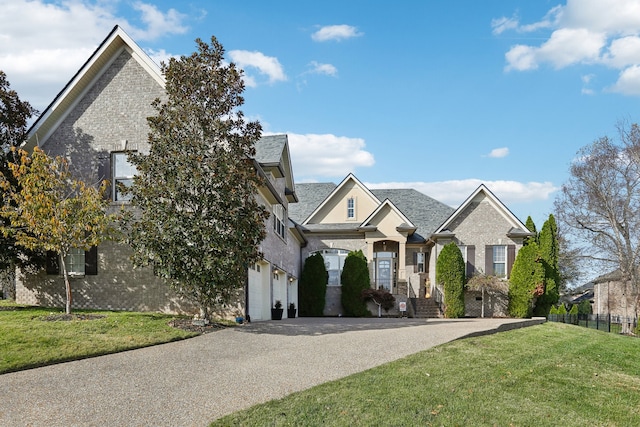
(313, 286)
(450, 272)
(354, 279)
(526, 281)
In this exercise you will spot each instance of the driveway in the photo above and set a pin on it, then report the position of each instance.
(193, 382)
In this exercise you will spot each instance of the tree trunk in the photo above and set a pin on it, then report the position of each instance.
(67, 285)
(8, 278)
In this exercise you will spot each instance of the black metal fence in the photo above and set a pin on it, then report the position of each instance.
(607, 323)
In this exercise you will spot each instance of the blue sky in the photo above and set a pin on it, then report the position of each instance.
(436, 95)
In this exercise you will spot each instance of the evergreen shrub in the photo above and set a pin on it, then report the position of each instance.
(450, 272)
(313, 286)
(355, 279)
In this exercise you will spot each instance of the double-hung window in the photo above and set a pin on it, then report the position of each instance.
(74, 261)
(419, 262)
(122, 174)
(279, 216)
(500, 261)
(351, 208)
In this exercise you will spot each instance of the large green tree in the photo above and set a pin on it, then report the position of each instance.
(450, 272)
(355, 279)
(526, 282)
(199, 222)
(313, 286)
(50, 210)
(14, 117)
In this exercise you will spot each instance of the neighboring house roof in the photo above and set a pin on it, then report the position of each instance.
(84, 80)
(518, 229)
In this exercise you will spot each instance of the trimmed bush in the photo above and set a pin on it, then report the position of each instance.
(354, 280)
(450, 272)
(313, 286)
(526, 281)
(584, 307)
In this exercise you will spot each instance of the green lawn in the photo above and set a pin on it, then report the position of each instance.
(27, 340)
(547, 375)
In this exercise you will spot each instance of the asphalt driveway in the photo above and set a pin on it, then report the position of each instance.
(193, 382)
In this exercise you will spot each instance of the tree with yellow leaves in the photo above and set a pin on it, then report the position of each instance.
(50, 210)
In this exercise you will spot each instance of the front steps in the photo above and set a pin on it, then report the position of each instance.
(426, 308)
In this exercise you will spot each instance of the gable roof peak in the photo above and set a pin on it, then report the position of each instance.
(502, 208)
(349, 178)
(100, 60)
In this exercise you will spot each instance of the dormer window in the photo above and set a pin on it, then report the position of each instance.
(351, 208)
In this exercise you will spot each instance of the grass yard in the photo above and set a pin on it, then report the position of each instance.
(547, 375)
(28, 339)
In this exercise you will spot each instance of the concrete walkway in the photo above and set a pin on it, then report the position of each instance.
(193, 382)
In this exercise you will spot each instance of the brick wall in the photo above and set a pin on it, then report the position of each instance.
(118, 286)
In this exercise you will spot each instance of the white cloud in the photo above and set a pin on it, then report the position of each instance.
(160, 56)
(335, 32)
(498, 153)
(628, 82)
(623, 52)
(565, 47)
(500, 25)
(266, 65)
(582, 32)
(40, 51)
(158, 23)
(455, 192)
(326, 155)
(327, 69)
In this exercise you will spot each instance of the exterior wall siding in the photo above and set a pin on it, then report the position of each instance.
(612, 298)
(114, 110)
(118, 286)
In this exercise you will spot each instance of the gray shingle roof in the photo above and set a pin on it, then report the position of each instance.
(269, 148)
(309, 197)
(425, 212)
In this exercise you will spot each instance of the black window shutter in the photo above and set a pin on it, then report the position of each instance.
(91, 261)
(471, 260)
(53, 263)
(104, 172)
(511, 257)
(488, 260)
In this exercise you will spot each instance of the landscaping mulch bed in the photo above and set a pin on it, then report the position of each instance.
(187, 325)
